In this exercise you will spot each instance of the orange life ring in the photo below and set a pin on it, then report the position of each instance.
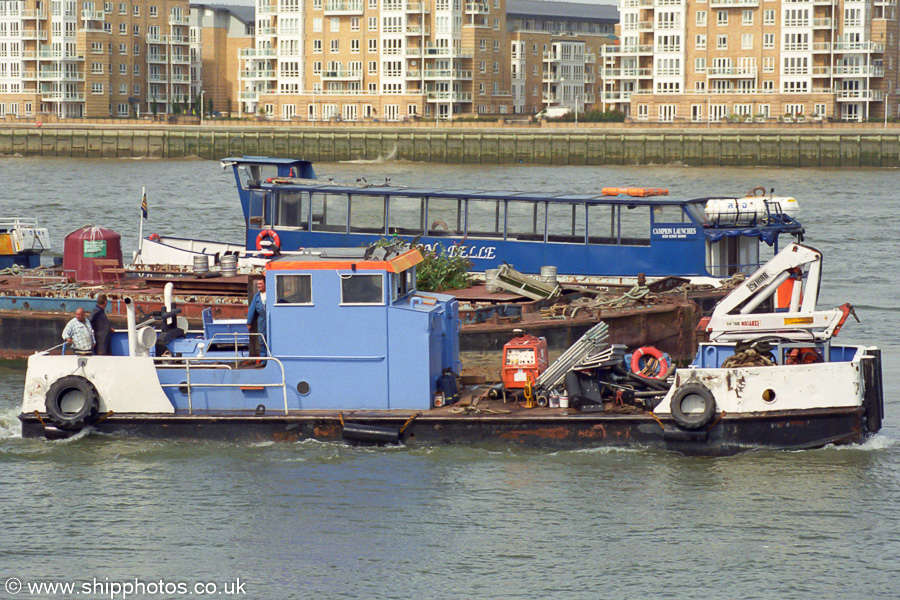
(803, 356)
(154, 237)
(638, 369)
(274, 247)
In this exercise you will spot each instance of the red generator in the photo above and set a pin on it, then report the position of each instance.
(524, 359)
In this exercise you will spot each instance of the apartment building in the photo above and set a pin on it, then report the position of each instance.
(554, 50)
(707, 60)
(435, 59)
(93, 59)
(218, 35)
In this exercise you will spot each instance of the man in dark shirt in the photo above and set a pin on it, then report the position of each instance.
(100, 323)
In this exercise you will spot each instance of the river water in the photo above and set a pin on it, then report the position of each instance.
(314, 520)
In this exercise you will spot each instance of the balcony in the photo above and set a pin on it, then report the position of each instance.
(178, 78)
(158, 98)
(267, 31)
(449, 97)
(157, 78)
(847, 47)
(33, 14)
(627, 73)
(640, 49)
(34, 34)
(822, 23)
(342, 74)
(418, 30)
(251, 96)
(477, 8)
(727, 3)
(257, 52)
(179, 20)
(344, 7)
(638, 26)
(62, 96)
(257, 74)
(731, 71)
(417, 7)
(447, 74)
(266, 8)
(858, 71)
(181, 59)
(157, 58)
(92, 15)
(616, 96)
(859, 95)
(155, 38)
(551, 78)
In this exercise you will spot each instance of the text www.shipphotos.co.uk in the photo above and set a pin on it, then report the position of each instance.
(106, 588)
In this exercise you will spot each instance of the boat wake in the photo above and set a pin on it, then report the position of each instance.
(9, 425)
(390, 157)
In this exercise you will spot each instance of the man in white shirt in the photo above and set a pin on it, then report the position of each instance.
(79, 334)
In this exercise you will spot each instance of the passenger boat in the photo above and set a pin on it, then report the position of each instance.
(356, 353)
(619, 232)
(21, 243)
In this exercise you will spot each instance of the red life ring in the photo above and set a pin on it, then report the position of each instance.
(274, 247)
(154, 237)
(638, 369)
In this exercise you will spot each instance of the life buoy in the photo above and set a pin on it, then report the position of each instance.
(439, 223)
(693, 406)
(642, 369)
(72, 402)
(757, 191)
(154, 237)
(274, 247)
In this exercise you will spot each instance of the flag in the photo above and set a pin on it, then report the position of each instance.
(144, 205)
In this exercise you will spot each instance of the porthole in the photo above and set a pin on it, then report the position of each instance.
(303, 388)
(768, 396)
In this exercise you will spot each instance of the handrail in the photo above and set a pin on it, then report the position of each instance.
(188, 360)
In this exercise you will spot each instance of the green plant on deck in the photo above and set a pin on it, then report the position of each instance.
(440, 270)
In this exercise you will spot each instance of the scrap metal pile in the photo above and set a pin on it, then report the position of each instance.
(592, 372)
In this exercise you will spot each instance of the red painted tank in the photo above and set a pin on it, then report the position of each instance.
(89, 253)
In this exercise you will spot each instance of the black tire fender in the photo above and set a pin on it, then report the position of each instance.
(693, 395)
(69, 390)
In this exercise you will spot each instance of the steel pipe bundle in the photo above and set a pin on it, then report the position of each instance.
(592, 342)
(605, 357)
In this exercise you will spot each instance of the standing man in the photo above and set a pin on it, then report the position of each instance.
(79, 334)
(100, 324)
(256, 314)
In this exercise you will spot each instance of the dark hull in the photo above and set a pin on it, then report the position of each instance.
(552, 429)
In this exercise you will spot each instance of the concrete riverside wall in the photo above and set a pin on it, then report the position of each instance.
(865, 147)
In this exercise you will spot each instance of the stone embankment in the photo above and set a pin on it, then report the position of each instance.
(718, 144)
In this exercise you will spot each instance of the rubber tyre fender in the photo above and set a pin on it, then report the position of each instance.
(58, 392)
(693, 420)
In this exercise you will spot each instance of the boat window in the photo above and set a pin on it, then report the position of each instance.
(361, 289)
(565, 223)
(634, 225)
(601, 224)
(291, 210)
(403, 283)
(444, 216)
(255, 174)
(329, 212)
(293, 289)
(259, 209)
(406, 215)
(525, 220)
(366, 213)
(698, 212)
(668, 213)
(485, 218)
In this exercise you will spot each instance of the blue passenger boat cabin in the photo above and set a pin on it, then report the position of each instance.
(581, 234)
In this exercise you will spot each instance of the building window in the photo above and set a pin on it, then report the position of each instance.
(136, 30)
(701, 18)
(153, 13)
(96, 47)
(123, 49)
(373, 23)
(747, 41)
(123, 109)
(354, 24)
(123, 89)
(700, 65)
(722, 42)
(97, 88)
(136, 50)
(768, 41)
(317, 24)
(123, 69)
(769, 16)
(373, 45)
(768, 64)
(722, 17)
(747, 17)
(317, 46)
(97, 68)
(335, 24)
(354, 46)
(335, 46)
(136, 10)
(643, 112)
(700, 42)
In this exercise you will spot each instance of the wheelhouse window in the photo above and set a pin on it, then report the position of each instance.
(601, 224)
(668, 213)
(291, 210)
(407, 215)
(362, 289)
(366, 213)
(329, 212)
(634, 225)
(403, 283)
(293, 289)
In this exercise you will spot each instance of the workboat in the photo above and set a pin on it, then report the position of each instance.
(618, 232)
(355, 352)
(21, 243)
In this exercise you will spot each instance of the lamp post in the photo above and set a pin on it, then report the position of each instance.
(887, 95)
(201, 107)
